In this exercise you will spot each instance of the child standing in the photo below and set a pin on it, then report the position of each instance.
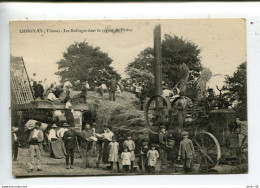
(152, 156)
(126, 159)
(143, 157)
(186, 151)
(113, 153)
(130, 145)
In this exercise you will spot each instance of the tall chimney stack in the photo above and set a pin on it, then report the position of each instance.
(157, 60)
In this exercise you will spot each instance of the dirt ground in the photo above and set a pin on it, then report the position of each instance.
(57, 167)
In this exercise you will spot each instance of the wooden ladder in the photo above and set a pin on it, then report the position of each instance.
(21, 91)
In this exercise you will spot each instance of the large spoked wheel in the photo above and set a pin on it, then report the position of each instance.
(156, 112)
(207, 149)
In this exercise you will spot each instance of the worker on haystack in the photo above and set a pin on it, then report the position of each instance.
(69, 113)
(186, 151)
(38, 90)
(112, 89)
(51, 97)
(67, 85)
(182, 104)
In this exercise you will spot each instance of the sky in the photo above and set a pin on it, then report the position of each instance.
(222, 41)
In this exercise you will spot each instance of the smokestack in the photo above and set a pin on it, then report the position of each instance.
(157, 60)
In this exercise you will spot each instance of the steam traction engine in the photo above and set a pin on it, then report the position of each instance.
(219, 139)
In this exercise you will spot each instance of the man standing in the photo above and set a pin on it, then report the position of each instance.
(186, 151)
(70, 141)
(163, 137)
(87, 133)
(38, 90)
(181, 105)
(15, 143)
(52, 138)
(113, 87)
(35, 139)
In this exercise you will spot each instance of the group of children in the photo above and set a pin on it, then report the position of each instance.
(147, 160)
(148, 156)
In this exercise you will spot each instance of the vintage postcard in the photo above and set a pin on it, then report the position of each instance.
(128, 97)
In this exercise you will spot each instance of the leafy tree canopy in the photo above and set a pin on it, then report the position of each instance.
(238, 90)
(178, 57)
(84, 62)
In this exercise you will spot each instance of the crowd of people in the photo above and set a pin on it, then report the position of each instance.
(106, 147)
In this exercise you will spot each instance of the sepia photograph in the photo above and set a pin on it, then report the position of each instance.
(128, 97)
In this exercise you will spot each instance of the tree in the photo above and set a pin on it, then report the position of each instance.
(238, 90)
(84, 62)
(178, 57)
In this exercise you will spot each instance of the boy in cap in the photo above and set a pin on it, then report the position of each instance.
(186, 151)
(163, 137)
(15, 143)
(130, 145)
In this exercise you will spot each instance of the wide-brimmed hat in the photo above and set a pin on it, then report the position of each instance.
(65, 125)
(162, 127)
(14, 129)
(145, 143)
(185, 133)
(54, 125)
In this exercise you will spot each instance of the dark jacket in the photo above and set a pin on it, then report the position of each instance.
(38, 89)
(163, 137)
(113, 85)
(70, 139)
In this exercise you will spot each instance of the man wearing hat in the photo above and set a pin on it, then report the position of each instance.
(112, 89)
(186, 151)
(35, 139)
(163, 137)
(86, 145)
(70, 142)
(181, 105)
(52, 138)
(51, 97)
(15, 143)
(62, 130)
(67, 85)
